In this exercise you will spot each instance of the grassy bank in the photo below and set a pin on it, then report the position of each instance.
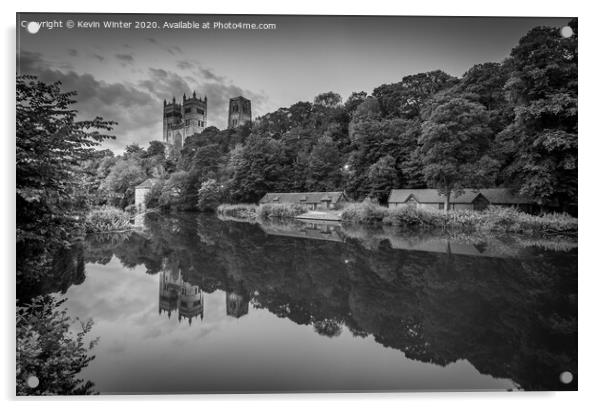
(263, 211)
(107, 219)
(280, 210)
(494, 219)
(238, 211)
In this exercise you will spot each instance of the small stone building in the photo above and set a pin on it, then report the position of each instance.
(141, 191)
(311, 200)
(470, 199)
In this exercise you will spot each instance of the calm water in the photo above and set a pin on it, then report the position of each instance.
(197, 304)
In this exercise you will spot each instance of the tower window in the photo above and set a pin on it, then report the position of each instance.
(187, 110)
(200, 111)
(202, 123)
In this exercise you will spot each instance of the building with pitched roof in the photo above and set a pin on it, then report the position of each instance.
(311, 200)
(469, 199)
(141, 191)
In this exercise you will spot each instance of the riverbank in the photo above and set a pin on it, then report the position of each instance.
(108, 219)
(494, 219)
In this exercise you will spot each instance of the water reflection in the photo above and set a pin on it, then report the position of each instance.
(505, 306)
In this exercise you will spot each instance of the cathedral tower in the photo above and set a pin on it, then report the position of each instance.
(239, 112)
(194, 115)
(183, 120)
(172, 118)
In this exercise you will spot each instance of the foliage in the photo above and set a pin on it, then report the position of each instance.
(324, 167)
(50, 147)
(210, 195)
(511, 124)
(260, 169)
(454, 147)
(280, 210)
(382, 177)
(328, 99)
(540, 145)
(49, 349)
(121, 182)
(107, 219)
(405, 99)
(365, 212)
(240, 210)
(493, 219)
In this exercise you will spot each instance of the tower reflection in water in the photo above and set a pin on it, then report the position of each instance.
(186, 300)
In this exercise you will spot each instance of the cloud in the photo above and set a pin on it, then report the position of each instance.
(72, 52)
(174, 49)
(125, 58)
(185, 65)
(163, 84)
(98, 57)
(171, 49)
(137, 106)
(137, 112)
(195, 67)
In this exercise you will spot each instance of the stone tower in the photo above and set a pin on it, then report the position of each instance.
(183, 120)
(194, 114)
(239, 112)
(172, 119)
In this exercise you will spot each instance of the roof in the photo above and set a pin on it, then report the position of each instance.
(504, 196)
(147, 184)
(299, 197)
(495, 196)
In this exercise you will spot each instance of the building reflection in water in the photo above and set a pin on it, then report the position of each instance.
(185, 299)
(237, 305)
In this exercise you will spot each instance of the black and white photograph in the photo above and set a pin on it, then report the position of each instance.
(271, 203)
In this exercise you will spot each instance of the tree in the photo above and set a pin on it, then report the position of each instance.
(382, 177)
(404, 99)
(260, 169)
(454, 147)
(50, 148)
(540, 145)
(155, 148)
(373, 138)
(210, 195)
(355, 100)
(133, 151)
(328, 99)
(48, 350)
(122, 180)
(324, 167)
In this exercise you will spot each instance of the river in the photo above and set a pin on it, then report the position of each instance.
(191, 303)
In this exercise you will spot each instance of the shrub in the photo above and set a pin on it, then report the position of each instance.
(241, 210)
(50, 350)
(209, 195)
(280, 210)
(364, 213)
(151, 201)
(412, 216)
(107, 219)
(494, 219)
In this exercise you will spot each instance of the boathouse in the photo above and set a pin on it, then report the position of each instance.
(311, 200)
(470, 199)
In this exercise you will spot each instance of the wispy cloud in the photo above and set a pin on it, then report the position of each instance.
(125, 59)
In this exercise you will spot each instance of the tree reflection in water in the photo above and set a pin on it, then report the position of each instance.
(509, 305)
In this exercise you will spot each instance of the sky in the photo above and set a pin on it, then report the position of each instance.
(124, 74)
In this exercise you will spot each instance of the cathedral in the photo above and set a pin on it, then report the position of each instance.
(188, 117)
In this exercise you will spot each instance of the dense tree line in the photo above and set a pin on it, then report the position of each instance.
(511, 124)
